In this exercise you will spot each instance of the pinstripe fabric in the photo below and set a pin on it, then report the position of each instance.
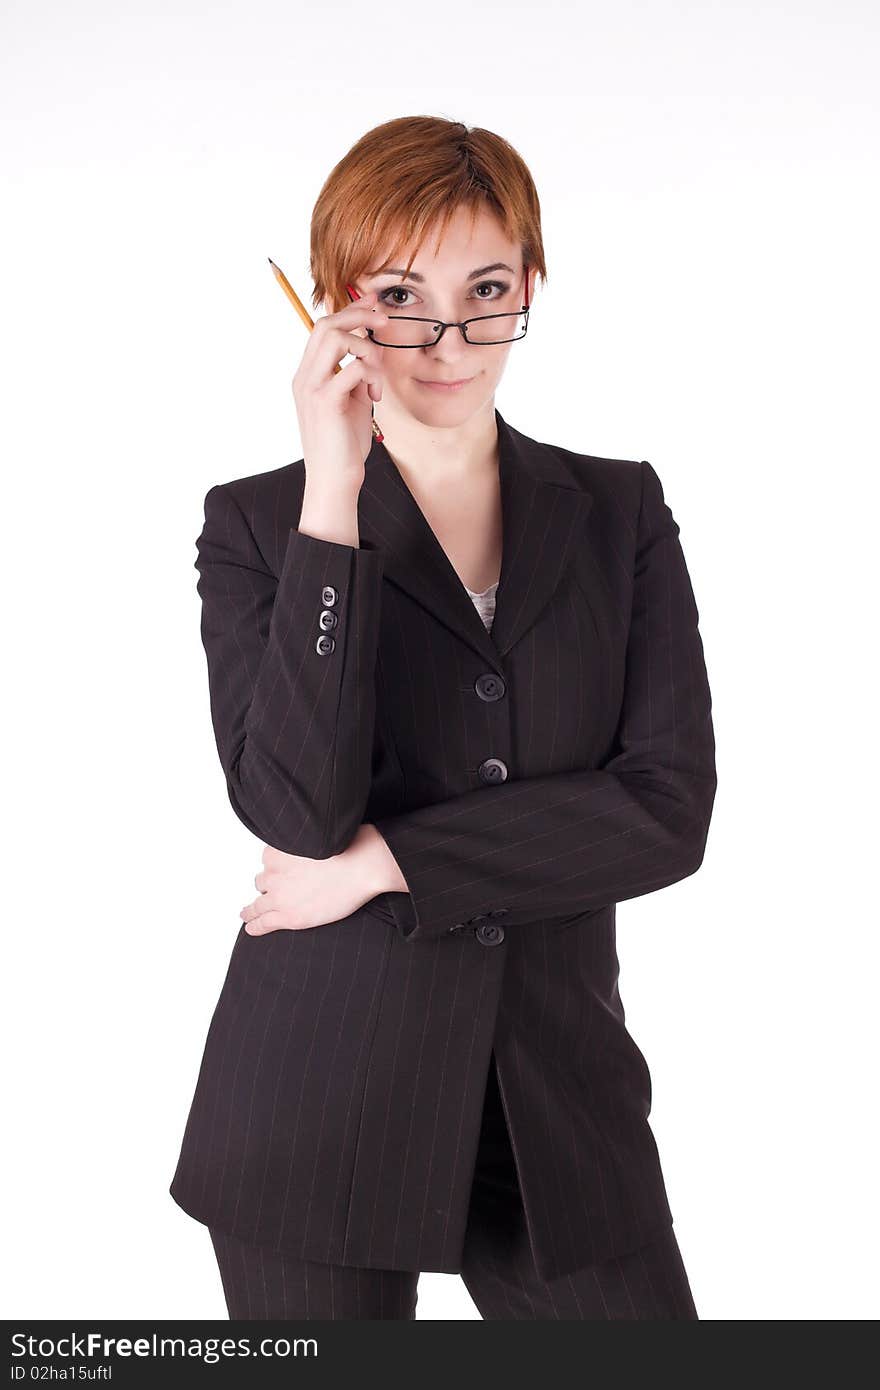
(261, 1283)
(497, 1267)
(291, 727)
(647, 1285)
(338, 1105)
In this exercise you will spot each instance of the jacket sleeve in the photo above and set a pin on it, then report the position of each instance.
(292, 711)
(544, 847)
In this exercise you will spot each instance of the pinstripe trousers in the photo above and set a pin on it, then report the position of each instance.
(649, 1283)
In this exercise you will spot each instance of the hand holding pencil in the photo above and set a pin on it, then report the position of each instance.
(334, 404)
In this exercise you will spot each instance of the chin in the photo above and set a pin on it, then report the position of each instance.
(443, 413)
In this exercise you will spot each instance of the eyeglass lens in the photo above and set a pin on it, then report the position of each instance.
(403, 331)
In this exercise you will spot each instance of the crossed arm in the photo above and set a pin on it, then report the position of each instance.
(294, 732)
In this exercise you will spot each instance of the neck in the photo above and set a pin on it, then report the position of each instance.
(436, 456)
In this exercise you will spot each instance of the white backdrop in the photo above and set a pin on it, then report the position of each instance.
(711, 230)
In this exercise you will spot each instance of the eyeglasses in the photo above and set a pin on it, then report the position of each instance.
(405, 331)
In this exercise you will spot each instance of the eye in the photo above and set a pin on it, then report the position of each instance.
(498, 285)
(394, 289)
(394, 303)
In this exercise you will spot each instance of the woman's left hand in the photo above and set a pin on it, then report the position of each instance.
(296, 892)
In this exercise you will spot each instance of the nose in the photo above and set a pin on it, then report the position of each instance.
(451, 347)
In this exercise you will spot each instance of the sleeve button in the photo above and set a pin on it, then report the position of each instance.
(492, 770)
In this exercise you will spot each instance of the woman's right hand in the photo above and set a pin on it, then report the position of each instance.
(335, 408)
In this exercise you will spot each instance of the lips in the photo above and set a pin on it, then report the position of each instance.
(463, 381)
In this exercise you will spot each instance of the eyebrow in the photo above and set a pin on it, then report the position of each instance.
(420, 279)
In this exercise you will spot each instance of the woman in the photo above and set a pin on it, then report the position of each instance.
(458, 689)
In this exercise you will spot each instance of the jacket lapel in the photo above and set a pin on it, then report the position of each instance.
(543, 513)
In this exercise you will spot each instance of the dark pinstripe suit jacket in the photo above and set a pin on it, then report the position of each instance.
(526, 780)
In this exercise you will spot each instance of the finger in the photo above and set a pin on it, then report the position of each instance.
(353, 317)
(257, 908)
(268, 922)
(347, 381)
(369, 300)
(364, 348)
(323, 351)
(318, 370)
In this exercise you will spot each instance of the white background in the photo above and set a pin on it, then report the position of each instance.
(709, 207)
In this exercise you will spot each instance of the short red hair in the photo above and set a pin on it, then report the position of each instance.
(405, 179)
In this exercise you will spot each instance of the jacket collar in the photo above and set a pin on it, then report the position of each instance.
(544, 508)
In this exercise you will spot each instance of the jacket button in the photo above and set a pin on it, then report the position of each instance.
(328, 595)
(325, 645)
(492, 770)
(490, 934)
(489, 686)
(328, 620)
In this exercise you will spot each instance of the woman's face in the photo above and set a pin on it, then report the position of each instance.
(472, 271)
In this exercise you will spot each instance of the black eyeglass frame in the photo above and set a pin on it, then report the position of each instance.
(462, 326)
